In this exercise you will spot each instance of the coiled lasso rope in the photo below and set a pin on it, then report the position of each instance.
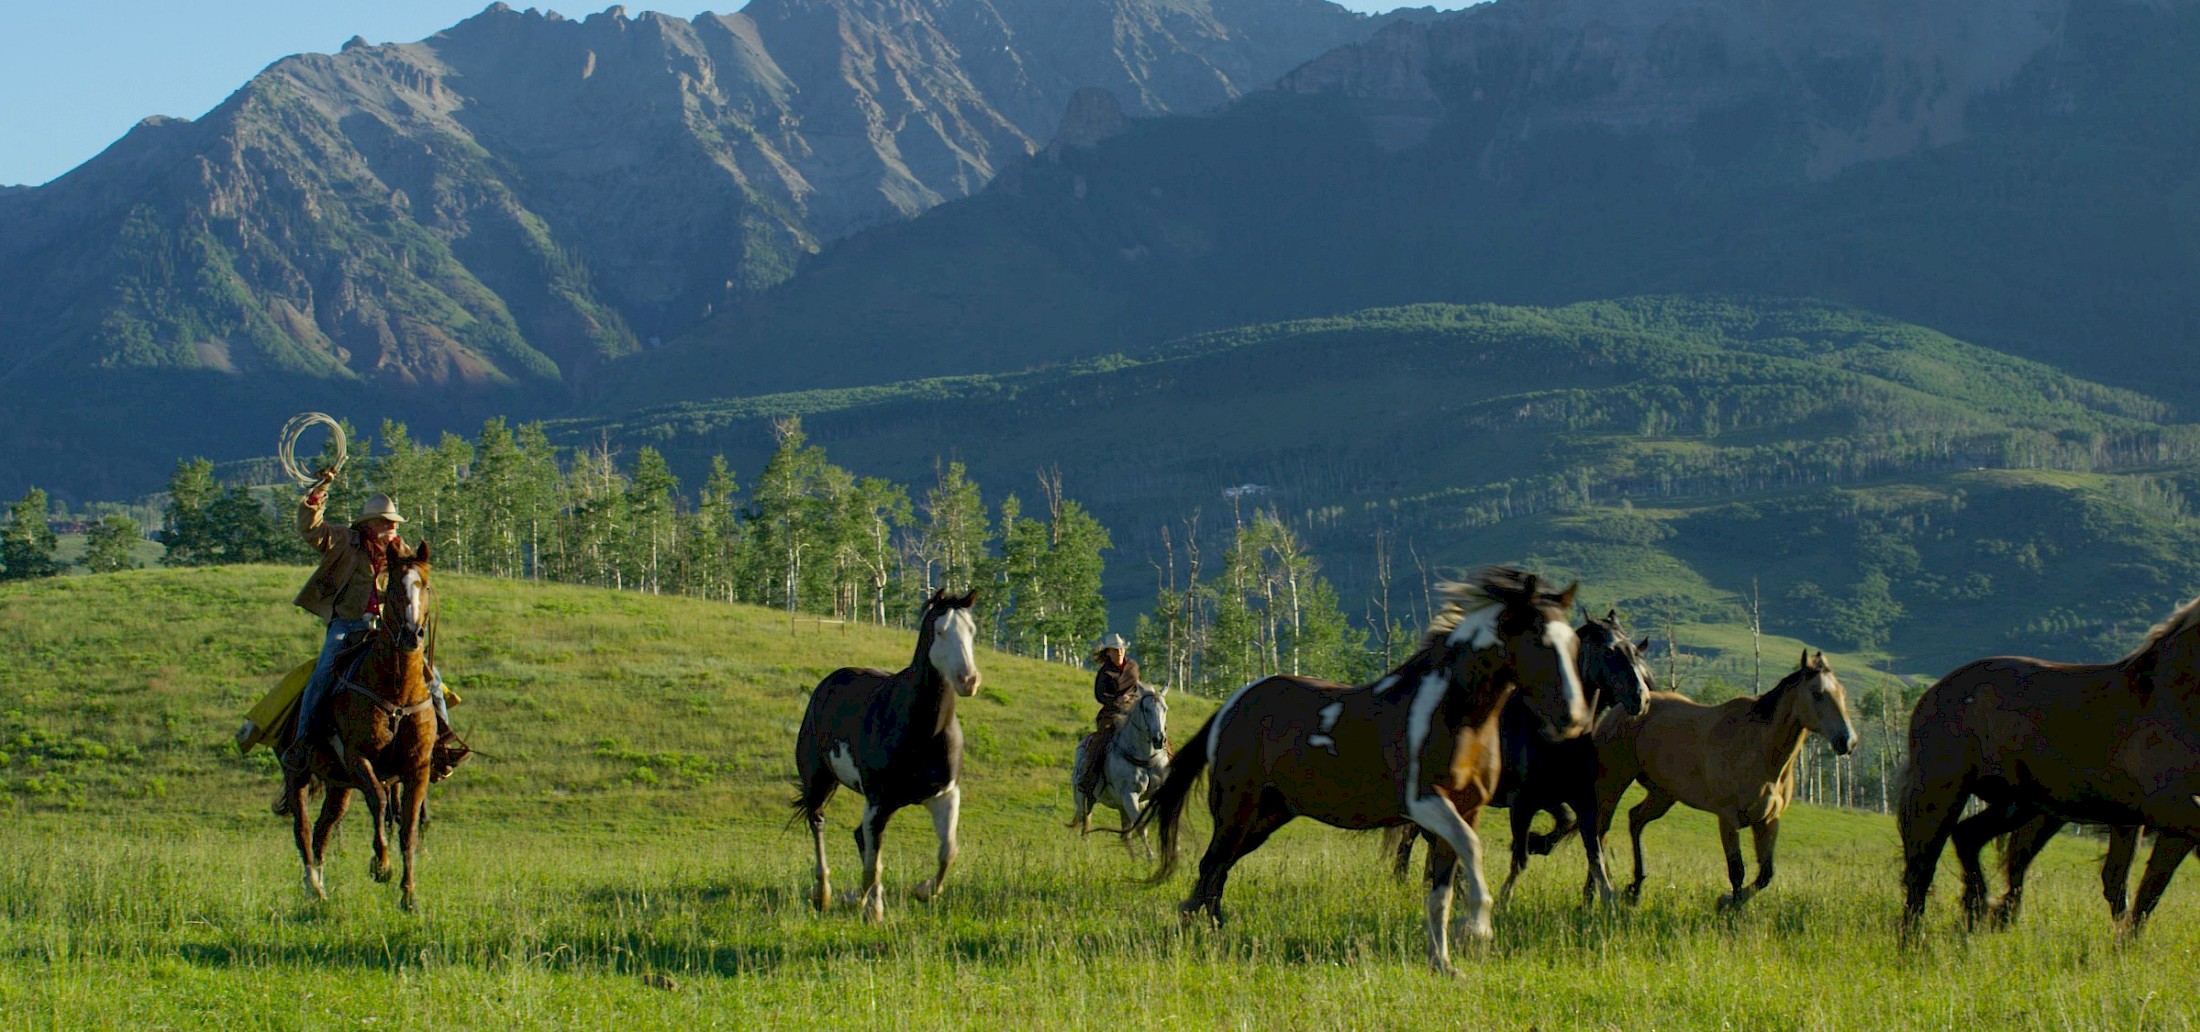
(287, 450)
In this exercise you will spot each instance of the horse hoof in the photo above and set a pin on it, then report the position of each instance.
(314, 886)
(821, 901)
(408, 904)
(924, 892)
(382, 873)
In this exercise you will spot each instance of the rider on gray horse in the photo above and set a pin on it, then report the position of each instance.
(1115, 688)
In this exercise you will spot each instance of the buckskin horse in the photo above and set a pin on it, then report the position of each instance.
(1735, 760)
(2105, 743)
(1417, 746)
(1136, 764)
(1558, 778)
(384, 728)
(893, 739)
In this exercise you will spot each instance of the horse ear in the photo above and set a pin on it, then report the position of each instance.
(1161, 690)
(937, 595)
(421, 553)
(969, 598)
(1820, 661)
(1566, 597)
(1611, 616)
(1805, 661)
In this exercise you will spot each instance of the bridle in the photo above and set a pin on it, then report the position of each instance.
(392, 712)
(1115, 744)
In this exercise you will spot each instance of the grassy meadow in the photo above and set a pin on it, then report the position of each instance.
(622, 857)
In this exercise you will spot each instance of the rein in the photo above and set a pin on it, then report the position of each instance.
(1115, 745)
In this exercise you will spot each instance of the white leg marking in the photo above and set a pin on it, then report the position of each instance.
(1320, 738)
(1437, 908)
(873, 898)
(843, 761)
(946, 810)
(1436, 813)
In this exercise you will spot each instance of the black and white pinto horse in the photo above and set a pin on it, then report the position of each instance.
(894, 739)
(1137, 763)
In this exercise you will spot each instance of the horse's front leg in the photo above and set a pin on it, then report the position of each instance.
(1597, 884)
(2169, 851)
(870, 899)
(2123, 847)
(1730, 843)
(408, 834)
(370, 788)
(1130, 810)
(946, 810)
(1523, 817)
(1435, 813)
(309, 852)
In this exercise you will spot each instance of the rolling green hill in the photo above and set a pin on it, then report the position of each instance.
(622, 856)
(1893, 491)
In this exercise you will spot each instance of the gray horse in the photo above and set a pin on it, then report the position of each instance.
(1137, 763)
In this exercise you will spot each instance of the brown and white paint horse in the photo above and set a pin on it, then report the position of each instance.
(1735, 760)
(1417, 746)
(383, 730)
(893, 739)
(2106, 743)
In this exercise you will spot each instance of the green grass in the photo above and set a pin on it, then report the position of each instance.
(561, 885)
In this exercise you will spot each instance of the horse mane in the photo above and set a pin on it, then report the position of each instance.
(2184, 619)
(1493, 586)
(1764, 707)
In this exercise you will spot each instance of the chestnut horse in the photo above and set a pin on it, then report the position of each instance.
(1735, 760)
(1558, 778)
(894, 739)
(2105, 743)
(384, 728)
(1419, 745)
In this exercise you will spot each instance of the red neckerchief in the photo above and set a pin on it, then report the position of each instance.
(377, 560)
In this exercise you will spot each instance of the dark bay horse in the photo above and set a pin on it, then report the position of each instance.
(1559, 778)
(2024, 845)
(1735, 760)
(893, 739)
(1417, 746)
(384, 728)
(2105, 743)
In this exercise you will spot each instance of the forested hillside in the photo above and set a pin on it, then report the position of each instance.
(1887, 488)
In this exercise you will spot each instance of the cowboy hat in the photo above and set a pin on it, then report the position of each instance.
(1113, 641)
(380, 507)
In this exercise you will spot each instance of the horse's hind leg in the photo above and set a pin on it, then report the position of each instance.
(1638, 818)
(408, 835)
(370, 788)
(1597, 883)
(2169, 851)
(1970, 837)
(1236, 833)
(2123, 847)
(946, 810)
(1565, 821)
(1399, 841)
(312, 843)
(1764, 837)
(2017, 853)
(1926, 813)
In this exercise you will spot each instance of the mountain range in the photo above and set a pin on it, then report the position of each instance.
(490, 217)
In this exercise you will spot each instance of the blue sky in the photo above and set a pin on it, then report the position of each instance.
(77, 74)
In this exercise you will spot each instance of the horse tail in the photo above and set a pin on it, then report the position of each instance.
(1166, 808)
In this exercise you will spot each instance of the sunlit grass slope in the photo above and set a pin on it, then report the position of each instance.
(622, 859)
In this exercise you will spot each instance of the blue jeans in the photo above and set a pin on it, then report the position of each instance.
(324, 675)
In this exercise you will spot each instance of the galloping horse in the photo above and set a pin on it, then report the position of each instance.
(1735, 760)
(1419, 745)
(894, 739)
(2106, 743)
(1137, 763)
(384, 728)
(1559, 778)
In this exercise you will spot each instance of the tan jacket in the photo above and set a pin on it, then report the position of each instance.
(339, 588)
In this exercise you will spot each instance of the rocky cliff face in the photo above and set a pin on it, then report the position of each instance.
(523, 198)
(1859, 81)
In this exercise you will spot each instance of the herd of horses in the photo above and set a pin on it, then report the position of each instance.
(1505, 703)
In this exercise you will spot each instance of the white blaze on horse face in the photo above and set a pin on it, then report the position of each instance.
(1559, 635)
(954, 650)
(413, 611)
(843, 761)
(1320, 738)
(1477, 629)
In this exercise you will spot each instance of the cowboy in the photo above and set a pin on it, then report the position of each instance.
(1115, 687)
(346, 590)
